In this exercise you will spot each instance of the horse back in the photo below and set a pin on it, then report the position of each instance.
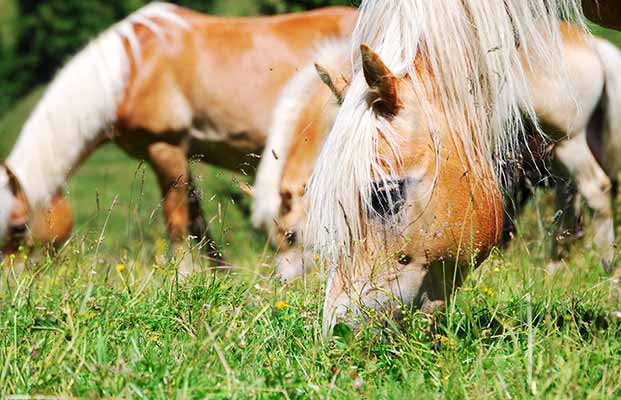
(222, 77)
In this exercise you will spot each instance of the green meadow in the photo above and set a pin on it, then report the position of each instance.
(106, 316)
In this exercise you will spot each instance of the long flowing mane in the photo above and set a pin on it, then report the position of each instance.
(81, 103)
(474, 50)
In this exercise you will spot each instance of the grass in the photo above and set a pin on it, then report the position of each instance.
(80, 325)
(107, 318)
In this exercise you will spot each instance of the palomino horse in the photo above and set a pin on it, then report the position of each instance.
(303, 116)
(165, 84)
(405, 198)
(591, 66)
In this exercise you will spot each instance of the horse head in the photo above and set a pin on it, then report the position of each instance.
(428, 214)
(21, 223)
(13, 210)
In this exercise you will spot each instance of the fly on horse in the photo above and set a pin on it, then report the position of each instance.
(589, 113)
(406, 195)
(165, 84)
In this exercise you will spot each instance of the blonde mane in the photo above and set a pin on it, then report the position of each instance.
(291, 103)
(474, 50)
(80, 104)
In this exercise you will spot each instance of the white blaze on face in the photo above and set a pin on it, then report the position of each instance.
(7, 202)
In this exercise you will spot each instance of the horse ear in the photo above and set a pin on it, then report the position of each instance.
(383, 97)
(327, 79)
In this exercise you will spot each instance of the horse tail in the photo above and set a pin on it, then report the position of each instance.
(610, 57)
(81, 104)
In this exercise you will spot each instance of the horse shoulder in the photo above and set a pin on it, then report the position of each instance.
(156, 98)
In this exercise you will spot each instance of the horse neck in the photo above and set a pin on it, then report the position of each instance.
(75, 111)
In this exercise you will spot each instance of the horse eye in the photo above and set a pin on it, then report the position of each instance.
(292, 238)
(404, 259)
(388, 197)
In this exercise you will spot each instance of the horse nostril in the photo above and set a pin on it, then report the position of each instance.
(292, 238)
(404, 259)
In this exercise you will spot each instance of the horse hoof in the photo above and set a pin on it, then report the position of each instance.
(186, 267)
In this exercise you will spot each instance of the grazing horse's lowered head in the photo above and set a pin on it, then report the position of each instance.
(405, 198)
(302, 118)
(427, 221)
(22, 224)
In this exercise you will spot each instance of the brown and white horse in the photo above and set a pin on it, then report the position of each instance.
(303, 117)
(584, 126)
(593, 66)
(405, 198)
(165, 84)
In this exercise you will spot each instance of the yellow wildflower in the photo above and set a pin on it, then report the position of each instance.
(496, 270)
(442, 339)
(120, 268)
(281, 305)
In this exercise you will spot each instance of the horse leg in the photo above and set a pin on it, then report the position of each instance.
(595, 186)
(567, 218)
(170, 164)
(199, 227)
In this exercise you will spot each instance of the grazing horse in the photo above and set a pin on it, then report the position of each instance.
(165, 84)
(303, 116)
(593, 66)
(406, 198)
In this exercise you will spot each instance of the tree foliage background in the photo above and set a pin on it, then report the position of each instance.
(37, 36)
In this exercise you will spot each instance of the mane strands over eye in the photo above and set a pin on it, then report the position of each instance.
(474, 51)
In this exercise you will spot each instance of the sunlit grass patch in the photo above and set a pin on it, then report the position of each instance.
(112, 325)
